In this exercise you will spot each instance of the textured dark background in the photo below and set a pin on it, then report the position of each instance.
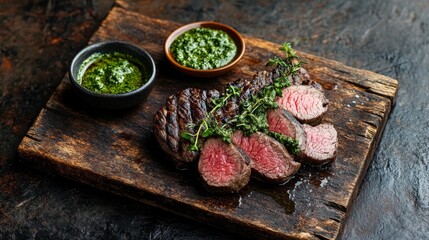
(39, 38)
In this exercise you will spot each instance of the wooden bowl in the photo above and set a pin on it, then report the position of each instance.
(236, 37)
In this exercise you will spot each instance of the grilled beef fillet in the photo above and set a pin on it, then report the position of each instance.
(223, 167)
(281, 121)
(191, 105)
(270, 160)
(321, 146)
(305, 103)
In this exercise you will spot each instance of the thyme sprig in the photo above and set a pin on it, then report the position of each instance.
(290, 62)
(287, 66)
(253, 112)
(208, 126)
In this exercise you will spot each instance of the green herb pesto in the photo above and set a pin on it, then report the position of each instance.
(203, 48)
(112, 73)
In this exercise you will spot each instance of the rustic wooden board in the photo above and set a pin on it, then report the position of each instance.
(116, 150)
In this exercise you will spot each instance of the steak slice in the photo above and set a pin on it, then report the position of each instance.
(270, 160)
(281, 121)
(322, 144)
(223, 167)
(188, 106)
(305, 103)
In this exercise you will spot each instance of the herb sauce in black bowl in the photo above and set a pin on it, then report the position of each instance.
(112, 75)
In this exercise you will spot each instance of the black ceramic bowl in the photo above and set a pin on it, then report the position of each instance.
(113, 101)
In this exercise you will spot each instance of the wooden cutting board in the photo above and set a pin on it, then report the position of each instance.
(117, 152)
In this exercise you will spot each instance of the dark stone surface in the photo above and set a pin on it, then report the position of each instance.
(391, 37)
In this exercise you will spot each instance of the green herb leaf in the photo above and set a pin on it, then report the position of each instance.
(208, 132)
(187, 136)
(193, 147)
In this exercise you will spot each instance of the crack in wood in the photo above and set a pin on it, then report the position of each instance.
(320, 237)
(119, 4)
(381, 94)
(33, 138)
(53, 110)
(371, 124)
(358, 85)
(335, 219)
(378, 115)
(336, 206)
(341, 71)
(364, 136)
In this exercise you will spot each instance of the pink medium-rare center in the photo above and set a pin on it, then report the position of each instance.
(223, 166)
(269, 159)
(304, 102)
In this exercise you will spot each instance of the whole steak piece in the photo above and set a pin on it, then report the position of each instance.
(322, 144)
(305, 103)
(223, 167)
(270, 160)
(281, 121)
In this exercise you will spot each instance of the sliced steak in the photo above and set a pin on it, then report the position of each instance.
(281, 121)
(305, 103)
(182, 109)
(223, 167)
(270, 160)
(322, 144)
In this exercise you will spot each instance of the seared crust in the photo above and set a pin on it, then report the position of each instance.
(183, 109)
(251, 87)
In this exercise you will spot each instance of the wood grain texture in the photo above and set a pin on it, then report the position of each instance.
(116, 151)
